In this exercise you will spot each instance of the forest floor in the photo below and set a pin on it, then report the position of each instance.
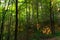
(55, 38)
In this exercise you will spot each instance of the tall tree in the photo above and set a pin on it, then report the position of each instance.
(16, 25)
(2, 24)
(27, 25)
(3, 18)
(52, 18)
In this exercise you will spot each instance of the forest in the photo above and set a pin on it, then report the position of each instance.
(29, 19)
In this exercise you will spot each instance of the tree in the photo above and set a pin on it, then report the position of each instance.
(16, 25)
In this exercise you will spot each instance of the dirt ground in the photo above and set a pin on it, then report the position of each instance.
(55, 38)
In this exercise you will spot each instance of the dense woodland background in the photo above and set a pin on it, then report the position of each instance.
(29, 19)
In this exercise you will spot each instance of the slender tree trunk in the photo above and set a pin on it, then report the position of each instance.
(9, 23)
(16, 25)
(8, 36)
(37, 16)
(2, 24)
(26, 22)
(32, 16)
(52, 19)
(29, 22)
(37, 11)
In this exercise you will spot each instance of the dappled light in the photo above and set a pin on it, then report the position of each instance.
(46, 30)
(29, 19)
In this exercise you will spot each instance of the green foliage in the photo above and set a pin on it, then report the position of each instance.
(28, 14)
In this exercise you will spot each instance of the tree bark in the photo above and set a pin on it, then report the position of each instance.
(16, 25)
(52, 19)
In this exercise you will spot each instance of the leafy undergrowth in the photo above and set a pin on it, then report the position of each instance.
(40, 36)
(57, 34)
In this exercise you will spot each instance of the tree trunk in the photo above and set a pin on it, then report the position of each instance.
(2, 24)
(52, 19)
(16, 25)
